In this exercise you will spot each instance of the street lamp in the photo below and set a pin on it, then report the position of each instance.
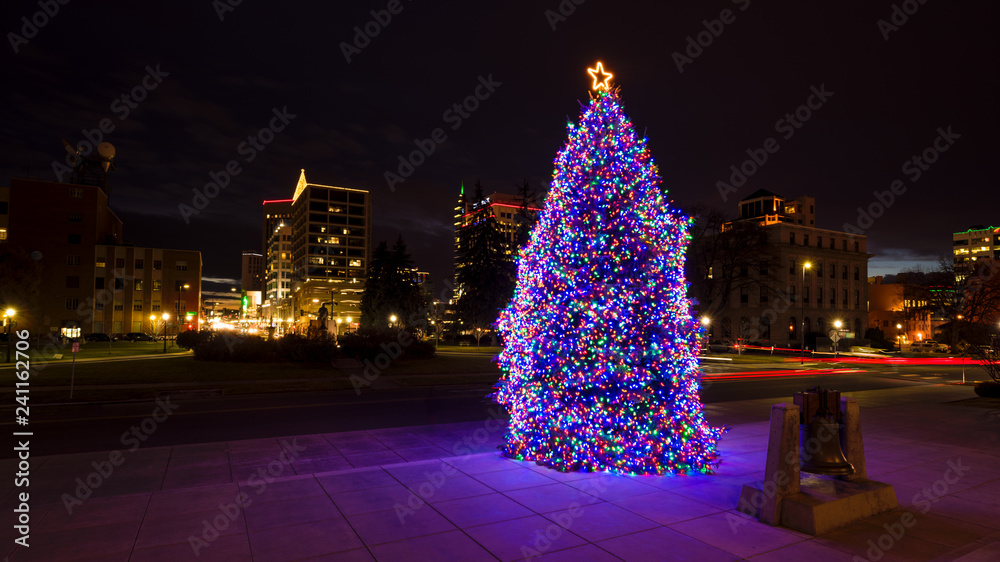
(899, 343)
(165, 318)
(8, 317)
(836, 344)
(392, 321)
(805, 266)
(180, 297)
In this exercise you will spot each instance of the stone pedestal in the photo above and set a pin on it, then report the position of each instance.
(811, 503)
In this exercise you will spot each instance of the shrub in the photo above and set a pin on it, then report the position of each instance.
(989, 389)
(304, 350)
(189, 339)
(369, 344)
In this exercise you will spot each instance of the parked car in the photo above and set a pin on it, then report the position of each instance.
(97, 337)
(137, 336)
(929, 346)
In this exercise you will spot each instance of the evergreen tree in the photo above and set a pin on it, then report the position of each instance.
(600, 358)
(485, 271)
(390, 289)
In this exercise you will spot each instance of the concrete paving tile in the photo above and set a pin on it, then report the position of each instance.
(587, 552)
(453, 545)
(60, 544)
(261, 470)
(422, 453)
(372, 499)
(356, 447)
(930, 527)
(374, 459)
(171, 503)
(671, 481)
(479, 463)
(544, 499)
(521, 538)
(480, 510)
(201, 476)
(735, 446)
(92, 512)
(977, 512)
(402, 441)
(179, 529)
(610, 487)
(665, 507)
(663, 544)
(199, 449)
(737, 534)
(67, 554)
(304, 540)
(289, 512)
(223, 547)
(449, 489)
(555, 474)
(356, 479)
(600, 521)
(988, 492)
(261, 491)
(723, 495)
(326, 464)
(421, 471)
(503, 480)
(805, 550)
(196, 460)
(357, 555)
(346, 436)
(266, 445)
(382, 527)
(875, 543)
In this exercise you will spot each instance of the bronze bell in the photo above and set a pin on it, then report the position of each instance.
(819, 447)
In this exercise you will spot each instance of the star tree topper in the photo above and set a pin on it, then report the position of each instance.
(601, 79)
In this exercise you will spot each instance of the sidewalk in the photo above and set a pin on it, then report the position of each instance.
(443, 493)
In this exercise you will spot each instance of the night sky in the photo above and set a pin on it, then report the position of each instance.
(219, 80)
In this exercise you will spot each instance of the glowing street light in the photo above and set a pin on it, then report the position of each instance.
(165, 318)
(805, 266)
(836, 345)
(8, 319)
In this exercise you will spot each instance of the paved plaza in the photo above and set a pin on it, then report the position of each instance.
(443, 493)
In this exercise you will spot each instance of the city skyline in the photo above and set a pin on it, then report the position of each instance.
(834, 104)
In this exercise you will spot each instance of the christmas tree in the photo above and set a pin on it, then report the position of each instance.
(599, 364)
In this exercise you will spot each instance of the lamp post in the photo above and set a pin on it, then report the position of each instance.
(707, 322)
(805, 266)
(392, 321)
(8, 317)
(165, 318)
(180, 297)
(899, 340)
(836, 343)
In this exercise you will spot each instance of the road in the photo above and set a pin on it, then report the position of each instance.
(94, 427)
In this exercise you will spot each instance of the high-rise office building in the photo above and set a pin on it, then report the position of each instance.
(323, 246)
(82, 277)
(974, 249)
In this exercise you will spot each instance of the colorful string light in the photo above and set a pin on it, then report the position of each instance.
(600, 357)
